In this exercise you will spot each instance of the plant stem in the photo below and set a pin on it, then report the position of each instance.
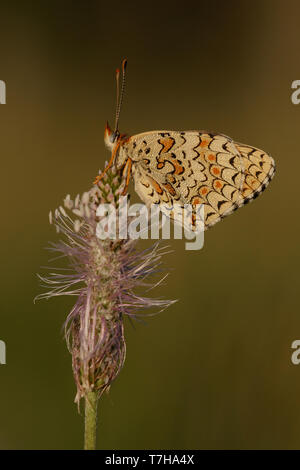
(90, 421)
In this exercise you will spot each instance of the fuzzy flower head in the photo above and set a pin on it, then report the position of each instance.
(103, 275)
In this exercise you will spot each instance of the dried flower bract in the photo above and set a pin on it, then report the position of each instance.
(103, 275)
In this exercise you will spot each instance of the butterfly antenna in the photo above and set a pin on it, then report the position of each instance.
(120, 95)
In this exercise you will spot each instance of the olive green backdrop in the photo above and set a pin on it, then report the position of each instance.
(213, 371)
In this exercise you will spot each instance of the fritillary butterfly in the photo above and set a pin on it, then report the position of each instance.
(189, 167)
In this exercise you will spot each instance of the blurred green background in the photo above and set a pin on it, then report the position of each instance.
(213, 371)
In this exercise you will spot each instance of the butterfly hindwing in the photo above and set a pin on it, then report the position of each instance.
(195, 168)
(259, 170)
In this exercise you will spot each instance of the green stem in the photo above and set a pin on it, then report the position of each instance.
(90, 421)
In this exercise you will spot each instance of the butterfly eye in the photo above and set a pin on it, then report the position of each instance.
(114, 136)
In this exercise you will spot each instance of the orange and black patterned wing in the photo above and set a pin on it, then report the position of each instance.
(198, 168)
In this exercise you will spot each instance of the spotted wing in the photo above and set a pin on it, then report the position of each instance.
(198, 168)
(259, 169)
(152, 192)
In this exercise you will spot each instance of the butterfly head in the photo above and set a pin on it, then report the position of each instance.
(111, 138)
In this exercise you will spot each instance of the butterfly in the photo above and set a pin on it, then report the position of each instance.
(188, 167)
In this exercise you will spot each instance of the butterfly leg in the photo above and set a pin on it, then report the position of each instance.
(127, 167)
(110, 163)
